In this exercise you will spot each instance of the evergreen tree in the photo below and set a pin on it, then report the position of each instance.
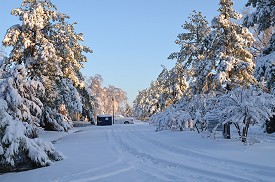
(264, 17)
(17, 150)
(162, 93)
(30, 41)
(49, 48)
(177, 84)
(228, 60)
(161, 89)
(22, 96)
(262, 37)
(191, 42)
(66, 44)
(192, 51)
(88, 104)
(2, 54)
(128, 112)
(141, 105)
(20, 115)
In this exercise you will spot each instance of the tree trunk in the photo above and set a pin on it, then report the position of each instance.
(245, 130)
(238, 128)
(226, 130)
(244, 135)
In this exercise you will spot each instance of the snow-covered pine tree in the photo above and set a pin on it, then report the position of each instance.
(66, 42)
(2, 53)
(67, 46)
(22, 97)
(20, 114)
(156, 100)
(49, 48)
(142, 106)
(162, 93)
(262, 37)
(18, 151)
(177, 83)
(32, 47)
(227, 55)
(159, 90)
(264, 17)
(88, 104)
(191, 52)
(168, 88)
(128, 112)
(30, 41)
(190, 42)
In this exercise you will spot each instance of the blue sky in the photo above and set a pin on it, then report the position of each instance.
(130, 38)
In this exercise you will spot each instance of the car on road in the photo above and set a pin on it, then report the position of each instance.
(119, 119)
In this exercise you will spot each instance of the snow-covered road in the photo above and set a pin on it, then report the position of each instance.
(137, 153)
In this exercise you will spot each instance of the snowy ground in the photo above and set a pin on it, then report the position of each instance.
(137, 153)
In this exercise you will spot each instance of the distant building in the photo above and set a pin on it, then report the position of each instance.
(104, 119)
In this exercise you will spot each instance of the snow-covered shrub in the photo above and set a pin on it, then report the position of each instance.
(17, 151)
(171, 118)
(197, 107)
(54, 121)
(22, 96)
(244, 107)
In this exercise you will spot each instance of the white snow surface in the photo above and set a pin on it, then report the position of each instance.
(138, 153)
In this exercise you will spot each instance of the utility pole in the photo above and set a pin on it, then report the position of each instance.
(113, 110)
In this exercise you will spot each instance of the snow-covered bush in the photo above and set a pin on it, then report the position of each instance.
(197, 106)
(172, 118)
(244, 107)
(18, 151)
(22, 96)
(52, 120)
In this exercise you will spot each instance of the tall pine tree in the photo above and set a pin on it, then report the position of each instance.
(191, 52)
(229, 60)
(49, 48)
(264, 17)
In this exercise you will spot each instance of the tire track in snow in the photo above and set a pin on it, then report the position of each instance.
(255, 171)
(101, 176)
(149, 167)
(165, 164)
(100, 172)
